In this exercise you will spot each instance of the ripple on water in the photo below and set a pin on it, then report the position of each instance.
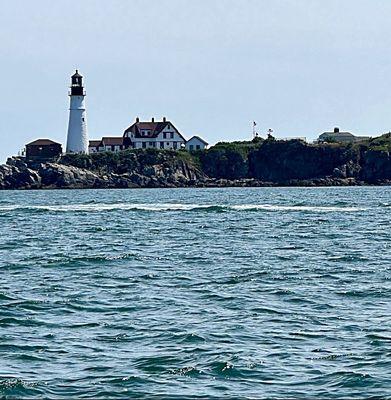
(184, 293)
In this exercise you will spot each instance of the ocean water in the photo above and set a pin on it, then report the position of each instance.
(175, 293)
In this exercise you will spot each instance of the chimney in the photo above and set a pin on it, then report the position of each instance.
(336, 130)
(153, 119)
(137, 119)
(164, 119)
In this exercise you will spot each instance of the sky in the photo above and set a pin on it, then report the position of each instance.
(212, 67)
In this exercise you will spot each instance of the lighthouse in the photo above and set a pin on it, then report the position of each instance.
(77, 140)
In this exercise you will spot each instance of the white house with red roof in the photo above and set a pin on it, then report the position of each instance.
(107, 143)
(153, 134)
(93, 146)
(145, 135)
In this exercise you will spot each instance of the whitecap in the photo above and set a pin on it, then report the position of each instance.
(274, 207)
(98, 207)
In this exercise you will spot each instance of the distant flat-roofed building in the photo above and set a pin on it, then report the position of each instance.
(43, 149)
(340, 137)
(300, 138)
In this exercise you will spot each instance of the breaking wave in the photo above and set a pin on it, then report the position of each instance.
(98, 207)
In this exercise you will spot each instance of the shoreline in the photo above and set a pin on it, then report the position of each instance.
(227, 185)
(267, 164)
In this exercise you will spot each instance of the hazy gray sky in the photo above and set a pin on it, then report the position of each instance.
(213, 66)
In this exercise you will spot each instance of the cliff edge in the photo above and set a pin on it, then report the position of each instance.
(127, 169)
(257, 163)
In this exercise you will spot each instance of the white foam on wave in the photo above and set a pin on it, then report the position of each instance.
(97, 207)
(273, 207)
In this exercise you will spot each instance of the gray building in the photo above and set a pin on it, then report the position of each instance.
(340, 137)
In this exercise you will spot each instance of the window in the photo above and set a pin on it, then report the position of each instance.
(191, 147)
(198, 147)
(144, 145)
(172, 135)
(162, 145)
(175, 145)
(168, 143)
(168, 126)
(164, 135)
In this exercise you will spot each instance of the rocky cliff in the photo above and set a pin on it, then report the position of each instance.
(260, 163)
(284, 161)
(295, 162)
(129, 169)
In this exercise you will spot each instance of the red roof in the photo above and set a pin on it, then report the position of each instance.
(147, 125)
(154, 129)
(112, 141)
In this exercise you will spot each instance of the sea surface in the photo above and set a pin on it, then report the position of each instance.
(209, 293)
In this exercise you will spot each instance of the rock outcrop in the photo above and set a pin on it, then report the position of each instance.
(126, 170)
(64, 176)
(295, 162)
(18, 176)
(267, 163)
(375, 166)
(281, 161)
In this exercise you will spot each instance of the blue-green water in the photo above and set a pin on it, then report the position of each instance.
(264, 292)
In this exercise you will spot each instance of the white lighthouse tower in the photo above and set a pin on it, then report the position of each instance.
(77, 140)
